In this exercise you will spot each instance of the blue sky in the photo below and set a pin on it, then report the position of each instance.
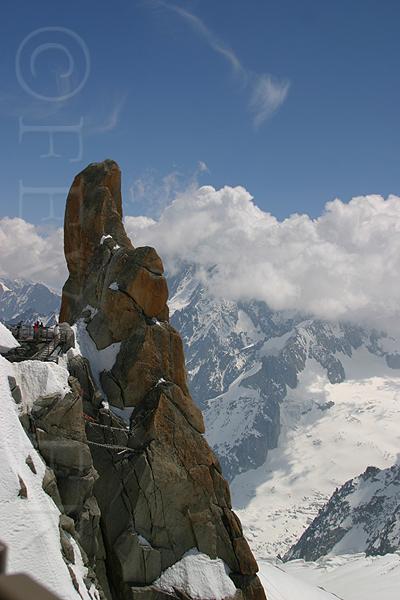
(170, 89)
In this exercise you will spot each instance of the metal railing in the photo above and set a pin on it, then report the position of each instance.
(28, 333)
(43, 341)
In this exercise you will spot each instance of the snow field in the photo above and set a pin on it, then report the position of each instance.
(321, 446)
(350, 577)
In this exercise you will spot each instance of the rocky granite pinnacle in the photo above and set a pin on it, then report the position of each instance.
(163, 494)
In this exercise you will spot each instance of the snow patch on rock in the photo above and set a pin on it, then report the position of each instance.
(37, 378)
(100, 360)
(198, 576)
(7, 340)
(104, 238)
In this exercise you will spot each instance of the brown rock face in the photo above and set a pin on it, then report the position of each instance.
(94, 209)
(165, 494)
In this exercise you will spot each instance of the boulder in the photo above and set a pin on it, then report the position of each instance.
(80, 370)
(64, 456)
(139, 562)
(67, 337)
(15, 390)
(49, 485)
(60, 416)
(23, 491)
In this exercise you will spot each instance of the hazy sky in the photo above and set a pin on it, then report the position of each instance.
(297, 101)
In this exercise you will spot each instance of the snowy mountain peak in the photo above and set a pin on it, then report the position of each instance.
(22, 300)
(242, 358)
(362, 516)
(294, 406)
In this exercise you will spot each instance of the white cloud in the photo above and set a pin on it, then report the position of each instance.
(267, 93)
(152, 192)
(111, 120)
(202, 167)
(343, 265)
(28, 252)
(211, 39)
(15, 104)
(267, 96)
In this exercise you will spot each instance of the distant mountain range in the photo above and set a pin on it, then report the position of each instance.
(294, 407)
(242, 359)
(22, 300)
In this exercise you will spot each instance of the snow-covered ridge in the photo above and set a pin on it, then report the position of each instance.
(362, 516)
(30, 525)
(22, 300)
(281, 585)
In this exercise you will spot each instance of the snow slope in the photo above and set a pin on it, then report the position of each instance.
(7, 340)
(280, 585)
(330, 433)
(350, 577)
(29, 526)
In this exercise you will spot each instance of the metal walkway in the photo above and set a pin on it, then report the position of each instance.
(45, 353)
(41, 344)
(52, 343)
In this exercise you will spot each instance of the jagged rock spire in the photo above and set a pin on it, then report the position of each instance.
(168, 489)
(93, 210)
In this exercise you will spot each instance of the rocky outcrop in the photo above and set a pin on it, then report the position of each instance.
(55, 425)
(160, 489)
(94, 209)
